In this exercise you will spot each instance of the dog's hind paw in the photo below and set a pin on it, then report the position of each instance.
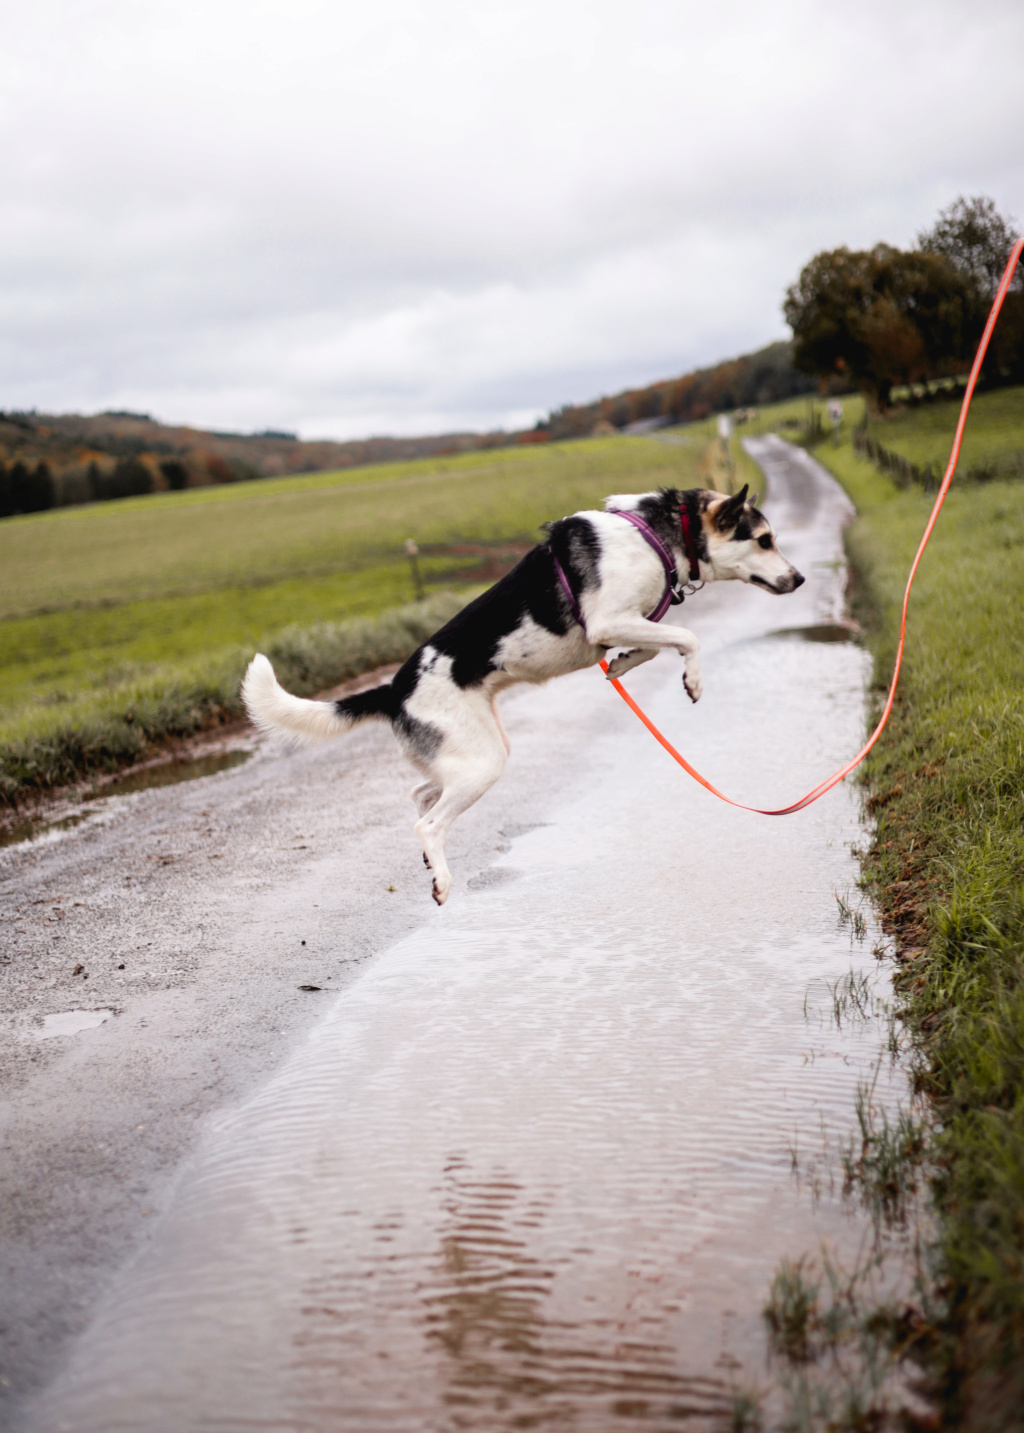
(426, 861)
(440, 892)
(694, 686)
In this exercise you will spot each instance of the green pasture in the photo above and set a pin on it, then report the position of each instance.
(244, 535)
(924, 434)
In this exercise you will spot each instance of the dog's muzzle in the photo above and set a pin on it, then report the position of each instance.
(786, 584)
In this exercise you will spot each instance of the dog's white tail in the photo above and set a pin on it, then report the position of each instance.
(271, 708)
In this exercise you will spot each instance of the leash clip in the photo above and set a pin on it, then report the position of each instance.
(682, 590)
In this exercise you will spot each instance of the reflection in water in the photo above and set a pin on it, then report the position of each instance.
(492, 1348)
(507, 1362)
(170, 773)
(164, 773)
(30, 827)
(622, 1080)
(821, 632)
(70, 1022)
(485, 1312)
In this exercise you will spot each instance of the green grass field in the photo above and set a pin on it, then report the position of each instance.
(994, 432)
(946, 865)
(109, 608)
(250, 534)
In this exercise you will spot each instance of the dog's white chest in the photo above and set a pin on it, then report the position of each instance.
(533, 654)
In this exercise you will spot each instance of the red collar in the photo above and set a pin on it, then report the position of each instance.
(689, 543)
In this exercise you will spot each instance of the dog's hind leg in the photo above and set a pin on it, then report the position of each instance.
(465, 769)
(626, 661)
(501, 726)
(424, 796)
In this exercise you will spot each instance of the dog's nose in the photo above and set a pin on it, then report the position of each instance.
(798, 580)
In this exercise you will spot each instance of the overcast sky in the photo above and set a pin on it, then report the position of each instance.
(409, 217)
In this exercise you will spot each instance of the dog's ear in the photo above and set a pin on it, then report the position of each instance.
(728, 513)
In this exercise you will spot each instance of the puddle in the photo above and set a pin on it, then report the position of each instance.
(169, 773)
(493, 876)
(32, 827)
(534, 1168)
(69, 1022)
(820, 632)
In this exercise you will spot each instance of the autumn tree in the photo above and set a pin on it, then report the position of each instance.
(131, 478)
(878, 317)
(175, 473)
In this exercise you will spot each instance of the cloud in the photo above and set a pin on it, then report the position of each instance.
(350, 219)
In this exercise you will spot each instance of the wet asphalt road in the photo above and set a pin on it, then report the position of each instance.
(197, 912)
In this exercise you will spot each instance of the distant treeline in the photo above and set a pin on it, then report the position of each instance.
(767, 376)
(25, 488)
(59, 460)
(28, 487)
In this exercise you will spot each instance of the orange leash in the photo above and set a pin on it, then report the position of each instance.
(954, 456)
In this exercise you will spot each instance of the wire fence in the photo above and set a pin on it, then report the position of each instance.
(907, 474)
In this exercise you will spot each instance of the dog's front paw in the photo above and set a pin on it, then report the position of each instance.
(693, 682)
(619, 664)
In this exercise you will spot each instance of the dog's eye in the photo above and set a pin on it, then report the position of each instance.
(765, 541)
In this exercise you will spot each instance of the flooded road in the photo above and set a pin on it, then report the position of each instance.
(532, 1166)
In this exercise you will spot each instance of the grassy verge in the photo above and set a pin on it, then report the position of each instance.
(946, 864)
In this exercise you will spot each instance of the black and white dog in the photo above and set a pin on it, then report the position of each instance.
(582, 592)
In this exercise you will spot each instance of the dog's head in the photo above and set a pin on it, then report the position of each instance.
(741, 545)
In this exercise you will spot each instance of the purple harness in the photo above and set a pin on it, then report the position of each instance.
(670, 596)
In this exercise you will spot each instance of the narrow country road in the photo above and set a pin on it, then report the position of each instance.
(523, 1161)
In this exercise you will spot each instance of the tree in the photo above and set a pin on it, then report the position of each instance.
(976, 239)
(20, 480)
(175, 473)
(43, 491)
(878, 317)
(6, 496)
(131, 478)
(29, 490)
(218, 468)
